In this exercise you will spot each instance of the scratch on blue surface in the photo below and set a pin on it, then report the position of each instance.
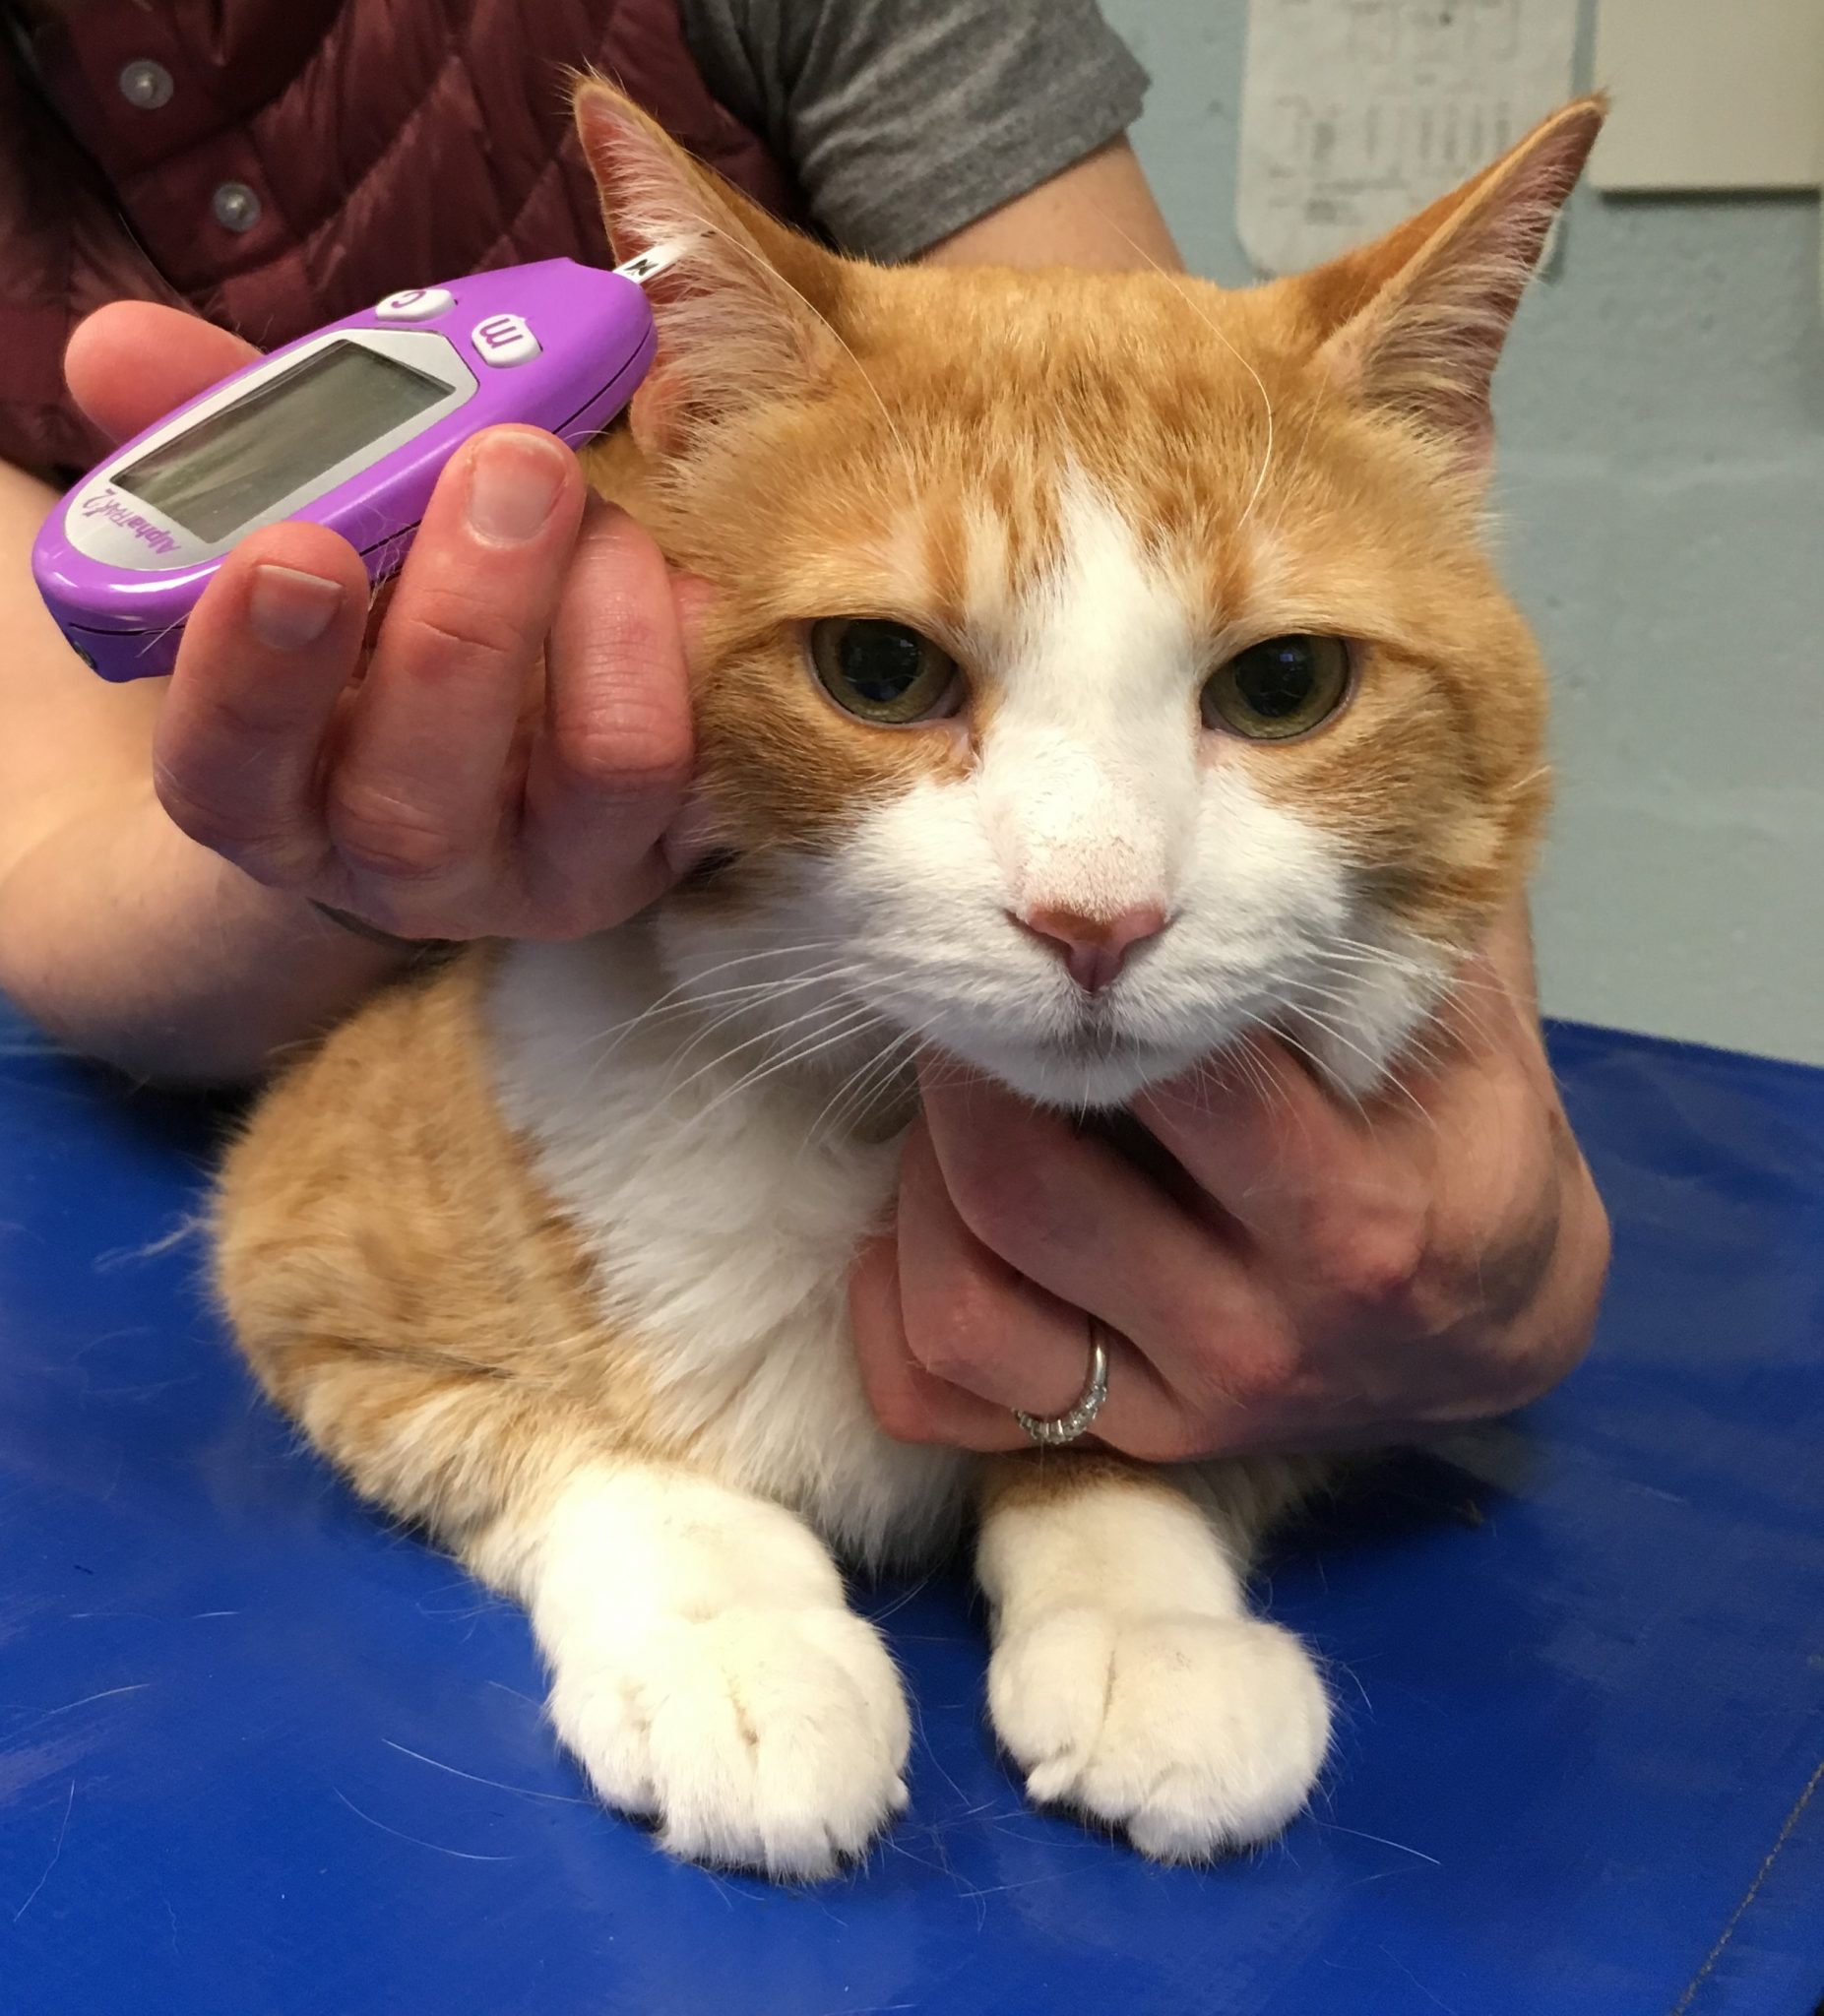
(62, 1830)
(68, 1707)
(1792, 1819)
(1416, 1982)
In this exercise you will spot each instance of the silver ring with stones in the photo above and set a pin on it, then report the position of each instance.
(1052, 1431)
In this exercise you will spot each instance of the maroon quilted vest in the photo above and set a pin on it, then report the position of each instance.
(278, 164)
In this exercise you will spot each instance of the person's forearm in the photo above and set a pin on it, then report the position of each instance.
(1097, 215)
(130, 943)
(118, 934)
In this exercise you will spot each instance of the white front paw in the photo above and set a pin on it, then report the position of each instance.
(1195, 1733)
(767, 1739)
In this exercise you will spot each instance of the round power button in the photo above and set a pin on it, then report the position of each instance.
(415, 304)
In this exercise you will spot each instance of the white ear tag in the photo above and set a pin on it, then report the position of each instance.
(654, 260)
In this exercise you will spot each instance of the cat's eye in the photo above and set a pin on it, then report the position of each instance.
(1277, 689)
(884, 672)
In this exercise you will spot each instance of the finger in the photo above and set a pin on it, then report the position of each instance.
(974, 1323)
(610, 771)
(1329, 1197)
(270, 646)
(910, 1404)
(131, 362)
(418, 784)
(1076, 1218)
(1496, 1137)
(914, 1405)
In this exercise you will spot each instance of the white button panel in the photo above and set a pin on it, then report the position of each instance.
(415, 304)
(504, 339)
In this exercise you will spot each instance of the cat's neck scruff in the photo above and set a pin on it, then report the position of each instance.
(1087, 863)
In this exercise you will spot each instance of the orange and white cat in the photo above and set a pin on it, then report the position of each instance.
(1100, 668)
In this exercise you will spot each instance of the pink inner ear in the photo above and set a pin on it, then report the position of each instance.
(631, 161)
(734, 324)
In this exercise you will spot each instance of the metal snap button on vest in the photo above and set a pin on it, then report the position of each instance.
(236, 207)
(145, 83)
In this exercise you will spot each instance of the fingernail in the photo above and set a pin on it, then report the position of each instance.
(512, 487)
(290, 609)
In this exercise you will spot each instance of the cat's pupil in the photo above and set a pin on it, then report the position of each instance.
(881, 662)
(1276, 679)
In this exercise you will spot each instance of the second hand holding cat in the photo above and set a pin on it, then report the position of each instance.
(1308, 1276)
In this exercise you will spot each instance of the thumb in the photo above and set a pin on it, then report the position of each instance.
(131, 362)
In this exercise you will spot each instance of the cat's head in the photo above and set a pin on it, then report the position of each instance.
(1101, 666)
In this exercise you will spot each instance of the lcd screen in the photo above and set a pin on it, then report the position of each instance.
(243, 461)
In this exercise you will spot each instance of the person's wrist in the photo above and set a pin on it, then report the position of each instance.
(282, 930)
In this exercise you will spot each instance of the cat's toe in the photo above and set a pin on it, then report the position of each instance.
(1196, 1734)
(762, 1738)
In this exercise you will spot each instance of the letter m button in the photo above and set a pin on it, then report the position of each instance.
(504, 339)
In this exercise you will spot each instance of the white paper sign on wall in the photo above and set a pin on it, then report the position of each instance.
(1709, 96)
(1355, 113)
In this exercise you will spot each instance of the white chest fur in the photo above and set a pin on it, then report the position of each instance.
(721, 1221)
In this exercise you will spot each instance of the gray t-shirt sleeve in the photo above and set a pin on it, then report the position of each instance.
(903, 120)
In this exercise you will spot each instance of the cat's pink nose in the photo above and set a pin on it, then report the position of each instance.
(1094, 949)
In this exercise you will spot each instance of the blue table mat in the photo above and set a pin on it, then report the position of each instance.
(259, 1752)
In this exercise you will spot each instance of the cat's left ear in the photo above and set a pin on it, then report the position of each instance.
(743, 314)
(1415, 323)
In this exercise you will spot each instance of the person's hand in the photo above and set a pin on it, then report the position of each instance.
(501, 756)
(1290, 1274)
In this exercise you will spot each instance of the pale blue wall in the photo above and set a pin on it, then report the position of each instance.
(1662, 493)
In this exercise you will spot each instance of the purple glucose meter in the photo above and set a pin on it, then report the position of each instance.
(347, 427)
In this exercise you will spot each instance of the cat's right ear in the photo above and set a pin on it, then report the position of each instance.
(741, 313)
(1414, 324)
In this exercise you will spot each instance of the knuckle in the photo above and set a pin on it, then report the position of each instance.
(1380, 1259)
(233, 832)
(946, 1334)
(378, 835)
(1258, 1376)
(446, 620)
(206, 821)
(1018, 1209)
(246, 721)
(634, 752)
